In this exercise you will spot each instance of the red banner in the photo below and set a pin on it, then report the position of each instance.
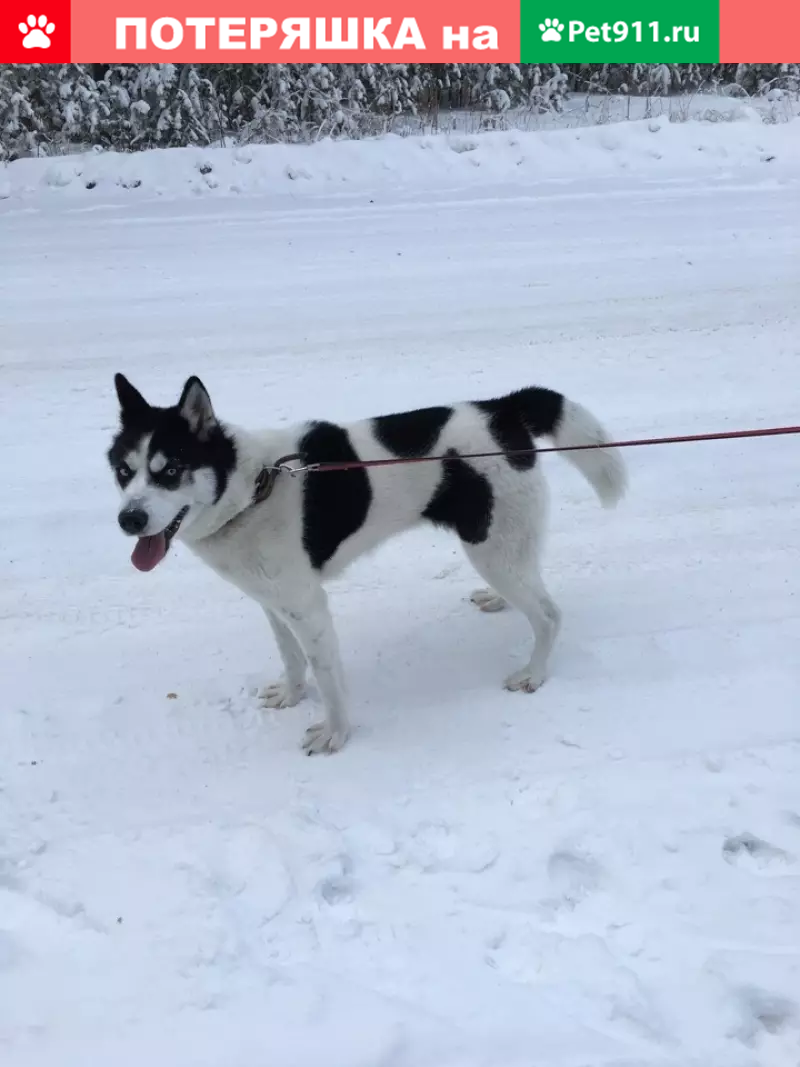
(316, 31)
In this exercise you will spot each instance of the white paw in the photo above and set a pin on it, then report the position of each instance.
(281, 695)
(524, 681)
(487, 600)
(320, 738)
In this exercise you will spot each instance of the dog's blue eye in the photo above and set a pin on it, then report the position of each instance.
(172, 472)
(123, 471)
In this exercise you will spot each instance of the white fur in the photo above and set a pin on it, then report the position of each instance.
(259, 549)
(603, 468)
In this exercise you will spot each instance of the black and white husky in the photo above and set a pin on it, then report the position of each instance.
(185, 474)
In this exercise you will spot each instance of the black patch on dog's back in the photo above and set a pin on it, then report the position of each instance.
(517, 419)
(411, 433)
(335, 503)
(541, 408)
(509, 431)
(463, 501)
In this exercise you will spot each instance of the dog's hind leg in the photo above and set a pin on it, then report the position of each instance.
(312, 626)
(519, 584)
(508, 559)
(544, 615)
(292, 687)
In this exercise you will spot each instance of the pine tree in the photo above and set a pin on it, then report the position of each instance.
(272, 111)
(763, 77)
(21, 120)
(180, 108)
(70, 106)
(391, 88)
(123, 119)
(498, 86)
(548, 87)
(76, 99)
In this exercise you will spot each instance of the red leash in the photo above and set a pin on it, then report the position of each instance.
(729, 435)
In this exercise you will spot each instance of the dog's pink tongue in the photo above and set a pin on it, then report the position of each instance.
(149, 552)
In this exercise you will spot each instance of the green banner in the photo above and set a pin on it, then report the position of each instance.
(619, 31)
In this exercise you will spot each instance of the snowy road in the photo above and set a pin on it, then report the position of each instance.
(605, 873)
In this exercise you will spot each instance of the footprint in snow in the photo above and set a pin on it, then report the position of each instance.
(437, 847)
(764, 1012)
(338, 886)
(756, 855)
(573, 876)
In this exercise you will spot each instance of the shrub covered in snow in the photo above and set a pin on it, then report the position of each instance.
(48, 108)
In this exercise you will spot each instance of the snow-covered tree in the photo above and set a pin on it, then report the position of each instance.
(56, 107)
(391, 88)
(498, 86)
(763, 77)
(547, 87)
(172, 105)
(22, 120)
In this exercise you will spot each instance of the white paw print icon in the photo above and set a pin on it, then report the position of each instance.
(36, 35)
(551, 29)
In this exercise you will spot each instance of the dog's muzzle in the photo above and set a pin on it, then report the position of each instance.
(150, 550)
(133, 520)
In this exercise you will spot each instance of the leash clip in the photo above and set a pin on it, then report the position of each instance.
(308, 468)
(284, 468)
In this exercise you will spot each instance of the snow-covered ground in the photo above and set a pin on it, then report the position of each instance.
(726, 104)
(604, 873)
(446, 163)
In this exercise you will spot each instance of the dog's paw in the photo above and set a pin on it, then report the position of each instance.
(487, 600)
(524, 681)
(320, 738)
(281, 695)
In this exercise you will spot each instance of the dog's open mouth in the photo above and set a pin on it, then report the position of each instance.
(149, 551)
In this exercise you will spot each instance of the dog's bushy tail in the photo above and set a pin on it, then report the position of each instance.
(603, 468)
(549, 414)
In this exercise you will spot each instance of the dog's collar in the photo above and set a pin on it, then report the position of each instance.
(265, 483)
(268, 476)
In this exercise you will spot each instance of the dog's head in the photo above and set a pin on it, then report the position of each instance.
(171, 464)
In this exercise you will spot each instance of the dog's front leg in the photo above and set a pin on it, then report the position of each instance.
(312, 625)
(291, 689)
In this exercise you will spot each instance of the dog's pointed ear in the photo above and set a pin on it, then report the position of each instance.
(132, 404)
(195, 406)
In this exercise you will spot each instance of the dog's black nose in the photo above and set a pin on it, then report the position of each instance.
(133, 520)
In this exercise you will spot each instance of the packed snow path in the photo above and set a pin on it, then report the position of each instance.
(604, 873)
